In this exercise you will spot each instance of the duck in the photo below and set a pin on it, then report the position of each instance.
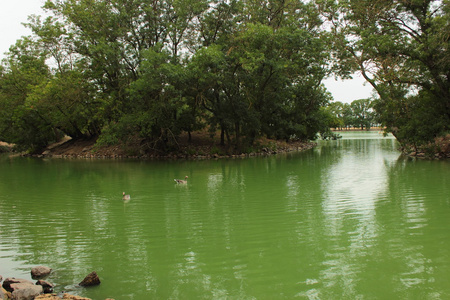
(125, 197)
(180, 181)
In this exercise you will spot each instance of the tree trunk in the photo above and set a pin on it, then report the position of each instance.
(237, 133)
(222, 136)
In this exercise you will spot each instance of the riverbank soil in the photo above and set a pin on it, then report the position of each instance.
(439, 149)
(201, 145)
(5, 147)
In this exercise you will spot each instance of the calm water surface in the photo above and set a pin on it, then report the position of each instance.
(351, 219)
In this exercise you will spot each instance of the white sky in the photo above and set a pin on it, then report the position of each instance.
(349, 90)
(12, 14)
(15, 12)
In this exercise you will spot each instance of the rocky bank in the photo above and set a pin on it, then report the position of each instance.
(24, 289)
(200, 147)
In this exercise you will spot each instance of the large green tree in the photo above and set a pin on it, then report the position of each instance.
(21, 122)
(265, 70)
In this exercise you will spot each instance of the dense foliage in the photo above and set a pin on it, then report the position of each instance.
(149, 70)
(401, 47)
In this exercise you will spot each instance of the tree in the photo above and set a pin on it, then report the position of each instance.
(110, 38)
(156, 104)
(281, 75)
(362, 113)
(147, 71)
(402, 49)
(180, 17)
(70, 104)
(68, 97)
(21, 122)
(336, 114)
(263, 81)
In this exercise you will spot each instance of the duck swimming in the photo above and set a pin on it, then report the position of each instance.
(125, 197)
(180, 181)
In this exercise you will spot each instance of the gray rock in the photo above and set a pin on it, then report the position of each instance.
(90, 280)
(40, 272)
(27, 293)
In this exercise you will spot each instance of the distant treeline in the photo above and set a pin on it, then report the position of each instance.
(147, 71)
(358, 114)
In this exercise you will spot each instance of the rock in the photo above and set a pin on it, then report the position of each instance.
(47, 297)
(4, 294)
(90, 280)
(40, 272)
(55, 297)
(28, 292)
(72, 297)
(11, 284)
(47, 286)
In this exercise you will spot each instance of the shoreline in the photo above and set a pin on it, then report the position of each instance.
(201, 146)
(21, 289)
(191, 153)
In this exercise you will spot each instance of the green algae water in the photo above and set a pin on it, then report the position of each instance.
(350, 219)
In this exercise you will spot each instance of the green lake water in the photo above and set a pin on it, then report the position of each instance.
(350, 219)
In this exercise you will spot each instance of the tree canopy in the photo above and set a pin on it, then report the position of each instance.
(401, 48)
(151, 70)
(125, 70)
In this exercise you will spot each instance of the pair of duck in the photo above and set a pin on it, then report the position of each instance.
(178, 181)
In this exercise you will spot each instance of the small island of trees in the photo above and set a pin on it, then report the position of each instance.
(122, 71)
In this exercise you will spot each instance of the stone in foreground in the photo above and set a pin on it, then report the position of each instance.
(47, 286)
(4, 294)
(55, 297)
(47, 297)
(11, 284)
(72, 297)
(40, 272)
(90, 280)
(28, 292)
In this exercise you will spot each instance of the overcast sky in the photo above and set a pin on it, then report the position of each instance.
(12, 14)
(15, 12)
